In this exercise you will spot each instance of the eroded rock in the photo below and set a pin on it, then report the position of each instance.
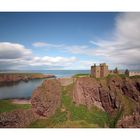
(46, 98)
(131, 121)
(86, 92)
(104, 93)
(17, 119)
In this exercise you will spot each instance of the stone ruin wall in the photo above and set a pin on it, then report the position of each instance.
(134, 73)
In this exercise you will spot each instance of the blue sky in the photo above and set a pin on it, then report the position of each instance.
(65, 40)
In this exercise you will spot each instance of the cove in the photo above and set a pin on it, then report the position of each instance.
(19, 90)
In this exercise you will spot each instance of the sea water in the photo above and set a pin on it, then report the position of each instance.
(25, 89)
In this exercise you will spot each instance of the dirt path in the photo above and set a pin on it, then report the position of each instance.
(21, 101)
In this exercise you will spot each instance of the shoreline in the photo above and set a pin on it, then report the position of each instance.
(20, 101)
(17, 77)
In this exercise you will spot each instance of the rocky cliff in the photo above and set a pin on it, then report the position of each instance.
(106, 93)
(118, 96)
(46, 98)
(17, 119)
(16, 77)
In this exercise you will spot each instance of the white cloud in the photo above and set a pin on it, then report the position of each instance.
(12, 51)
(45, 44)
(52, 61)
(16, 56)
(124, 49)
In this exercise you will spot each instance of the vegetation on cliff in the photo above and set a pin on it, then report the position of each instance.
(85, 102)
(7, 106)
(16, 77)
(81, 75)
(112, 92)
(69, 115)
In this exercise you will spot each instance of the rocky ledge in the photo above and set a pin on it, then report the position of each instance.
(16, 77)
(109, 94)
(106, 93)
(17, 118)
(46, 98)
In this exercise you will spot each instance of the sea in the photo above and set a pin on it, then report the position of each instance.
(24, 90)
(57, 73)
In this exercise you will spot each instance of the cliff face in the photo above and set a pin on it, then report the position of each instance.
(16, 77)
(105, 93)
(130, 121)
(17, 119)
(46, 98)
(109, 94)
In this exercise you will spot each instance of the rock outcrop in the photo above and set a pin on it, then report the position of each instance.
(86, 92)
(16, 77)
(104, 93)
(131, 121)
(17, 119)
(66, 81)
(46, 98)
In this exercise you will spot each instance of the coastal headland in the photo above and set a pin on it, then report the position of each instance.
(80, 101)
(17, 77)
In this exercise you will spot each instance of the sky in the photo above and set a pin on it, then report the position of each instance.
(42, 41)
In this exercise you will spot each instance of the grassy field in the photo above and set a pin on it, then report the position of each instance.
(81, 75)
(70, 115)
(7, 106)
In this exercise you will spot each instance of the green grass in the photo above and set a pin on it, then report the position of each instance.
(135, 77)
(112, 122)
(76, 124)
(81, 113)
(7, 106)
(70, 115)
(57, 119)
(127, 103)
(73, 116)
(81, 75)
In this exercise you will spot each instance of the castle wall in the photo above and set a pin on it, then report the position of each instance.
(134, 73)
(99, 71)
(92, 71)
(104, 70)
(95, 71)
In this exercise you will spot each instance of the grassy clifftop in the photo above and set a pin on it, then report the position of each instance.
(7, 106)
(69, 115)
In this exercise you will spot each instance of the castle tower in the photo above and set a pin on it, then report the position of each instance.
(95, 71)
(99, 71)
(103, 70)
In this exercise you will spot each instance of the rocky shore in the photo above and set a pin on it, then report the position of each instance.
(118, 96)
(17, 77)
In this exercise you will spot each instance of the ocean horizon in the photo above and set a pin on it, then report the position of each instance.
(57, 73)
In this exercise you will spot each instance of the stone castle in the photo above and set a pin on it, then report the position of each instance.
(132, 73)
(99, 71)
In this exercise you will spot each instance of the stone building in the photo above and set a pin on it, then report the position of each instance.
(132, 73)
(99, 71)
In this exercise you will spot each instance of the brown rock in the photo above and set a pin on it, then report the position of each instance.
(66, 81)
(46, 98)
(104, 93)
(129, 89)
(16, 77)
(131, 121)
(86, 92)
(16, 119)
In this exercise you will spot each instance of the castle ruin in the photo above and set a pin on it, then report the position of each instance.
(99, 71)
(132, 73)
